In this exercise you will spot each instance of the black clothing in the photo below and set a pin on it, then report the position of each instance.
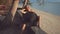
(30, 19)
(9, 27)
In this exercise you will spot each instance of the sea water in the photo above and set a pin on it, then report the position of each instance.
(50, 7)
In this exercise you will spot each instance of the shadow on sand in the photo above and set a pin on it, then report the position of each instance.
(38, 30)
(42, 32)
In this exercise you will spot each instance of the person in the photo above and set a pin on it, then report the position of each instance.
(21, 23)
(30, 19)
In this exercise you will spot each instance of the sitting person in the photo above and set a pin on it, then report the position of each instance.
(30, 19)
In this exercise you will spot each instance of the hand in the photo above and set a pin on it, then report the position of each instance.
(24, 26)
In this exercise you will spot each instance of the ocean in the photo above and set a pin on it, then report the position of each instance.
(50, 7)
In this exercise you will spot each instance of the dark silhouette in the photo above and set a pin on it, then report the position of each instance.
(9, 27)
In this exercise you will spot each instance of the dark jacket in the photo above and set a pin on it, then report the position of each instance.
(9, 27)
(30, 19)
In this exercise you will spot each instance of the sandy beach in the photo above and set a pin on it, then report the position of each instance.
(48, 22)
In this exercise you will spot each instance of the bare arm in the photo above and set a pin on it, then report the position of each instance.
(14, 8)
(24, 26)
